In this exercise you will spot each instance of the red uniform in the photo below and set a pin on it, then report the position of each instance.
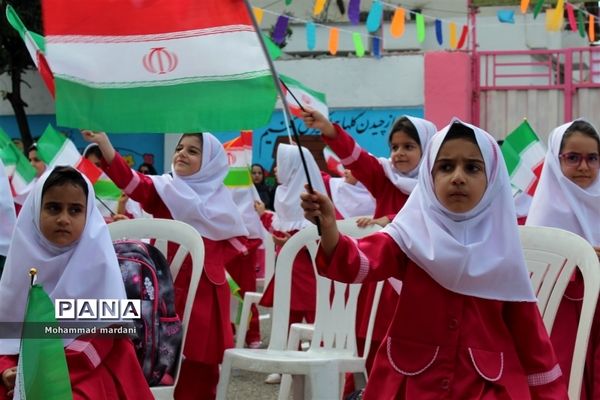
(303, 296)
(389, 200)
(100, 369)
(444, 345)
(209, 330)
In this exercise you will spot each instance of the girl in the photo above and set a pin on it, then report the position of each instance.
(467, 326)
(194, 194)
(351, 198)
(60, 231)
(390, 181)
(7, 215)
(568, 197)
(265, 191)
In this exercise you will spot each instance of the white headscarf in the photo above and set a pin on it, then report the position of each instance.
(558, 202)
(406, 182)
(291, 177)
(86, 269)
(7, 212)
(244, 198)
(351, 200)
(201, 199)
(476, 253)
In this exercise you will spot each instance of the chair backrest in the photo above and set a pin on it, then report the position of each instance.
(164, 231)
(335, 320)
(552, 255)
(269, 257)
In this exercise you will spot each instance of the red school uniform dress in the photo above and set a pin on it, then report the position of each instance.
(289, 218)
(467, 325)
(560, 203)
(209, 331)
(385, 187)
(99, 367)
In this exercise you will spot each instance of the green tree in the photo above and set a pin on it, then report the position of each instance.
(15, 59)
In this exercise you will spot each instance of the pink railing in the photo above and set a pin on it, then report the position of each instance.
(562, 69)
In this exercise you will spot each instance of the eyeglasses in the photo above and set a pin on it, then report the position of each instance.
(573, 159)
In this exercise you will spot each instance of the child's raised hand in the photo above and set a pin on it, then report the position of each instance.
(8, 378)
(318, 205)
(94, 137)
(260, 207)
(316, 120)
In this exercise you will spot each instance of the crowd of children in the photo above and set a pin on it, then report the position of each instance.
(457, 319)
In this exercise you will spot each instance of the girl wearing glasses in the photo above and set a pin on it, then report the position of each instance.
(568, 197)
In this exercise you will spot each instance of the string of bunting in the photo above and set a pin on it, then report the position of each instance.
(576, 17)
(374, 18)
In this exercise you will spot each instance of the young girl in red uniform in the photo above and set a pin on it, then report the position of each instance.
(61, 233)
(390, 181)
(194, 194)
(568, 197)
(467, 325)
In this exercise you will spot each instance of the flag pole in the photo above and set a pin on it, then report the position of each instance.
(284, 102)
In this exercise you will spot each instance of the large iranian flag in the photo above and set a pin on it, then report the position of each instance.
(524, 156)
(157, 66)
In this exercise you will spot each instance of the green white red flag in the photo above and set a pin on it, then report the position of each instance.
(18, 169)
(54, 149)
(157, 66)
(239, 157)
(305, 95)
(524, 156)
(35, 45)
(334, 165)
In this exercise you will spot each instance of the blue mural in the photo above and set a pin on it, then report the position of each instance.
(369, 127)
(134, 147)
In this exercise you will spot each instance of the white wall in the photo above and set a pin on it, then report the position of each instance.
(37, 96)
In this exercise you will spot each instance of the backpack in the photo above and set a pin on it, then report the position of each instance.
(159, 333)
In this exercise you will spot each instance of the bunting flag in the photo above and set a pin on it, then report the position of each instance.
(311, 35)
(35, 45)
(375, 16)
(305, 95)
(463, 37)
(334, 39)
(359, 47)
(354, 12)
(420, 21)
(168, 66)
(506, 16)
(524, 156)
(398, 24)
(334, 165)
(453, 38)
(555, 17)
(571, 17)
(280, 30)
(524, 6)
(438, 32)
(239, 157)
(42, 371)
(319, 6)
(537, 8)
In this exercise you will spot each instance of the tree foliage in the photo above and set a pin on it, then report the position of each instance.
(15, 59)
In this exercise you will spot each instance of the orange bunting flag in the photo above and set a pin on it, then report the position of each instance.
(397, 26)
(334, 39)
(592, 28)
(258, 14)
(524, 6)
(319, 6)
(453, 40)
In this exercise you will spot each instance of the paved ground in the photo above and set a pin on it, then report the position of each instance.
(246, 385)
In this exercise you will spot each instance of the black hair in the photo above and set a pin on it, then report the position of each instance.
(93, 150)
(460, 131)
(32, 147)
(63, 175)
(261, 168)
(196, 134)
(583, 127)
(151, 169)
(403, 124)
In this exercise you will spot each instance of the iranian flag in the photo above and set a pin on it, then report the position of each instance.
(239, 157)
(296, 92)
(42, 371)
(18, 169)
(334, 165)
(157, 66)
(35, 45)
(524, 156)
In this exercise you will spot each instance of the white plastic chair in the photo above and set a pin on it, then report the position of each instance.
(552, 255)
(302, 332)
(189, 241)
(333, 348)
